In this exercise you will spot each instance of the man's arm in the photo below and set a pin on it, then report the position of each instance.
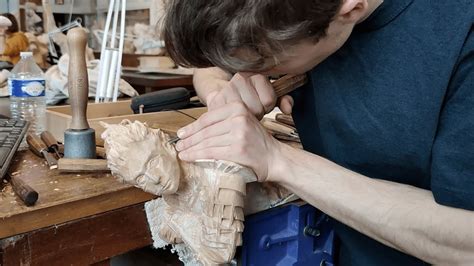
(400, 216)
(209, 80)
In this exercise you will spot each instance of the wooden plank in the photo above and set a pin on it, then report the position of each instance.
(59, 119)
(82, 165)
(81, 242)
(62, 197)
(97, 110)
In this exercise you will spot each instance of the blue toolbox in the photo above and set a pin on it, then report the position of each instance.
(288, 235)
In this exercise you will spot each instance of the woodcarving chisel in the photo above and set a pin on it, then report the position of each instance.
(50, 142)
(38, 147)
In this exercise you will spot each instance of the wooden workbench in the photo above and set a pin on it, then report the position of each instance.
(79, 219)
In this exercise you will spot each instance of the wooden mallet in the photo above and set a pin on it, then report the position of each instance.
(79, 139)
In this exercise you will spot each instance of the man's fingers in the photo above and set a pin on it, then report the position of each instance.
(243, 86)
(286, 104)
(201, 136)
(265, 92)
(208, 153)
(212, 117)
(216, 141)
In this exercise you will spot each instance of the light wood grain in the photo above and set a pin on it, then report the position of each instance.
(288, 83)
(100, 151)
(82, 165)
(59, 118)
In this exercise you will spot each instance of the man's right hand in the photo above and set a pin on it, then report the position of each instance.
(254, 90)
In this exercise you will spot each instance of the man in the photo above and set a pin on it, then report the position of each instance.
(386, 119)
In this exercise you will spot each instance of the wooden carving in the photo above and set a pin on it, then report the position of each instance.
(201, 207)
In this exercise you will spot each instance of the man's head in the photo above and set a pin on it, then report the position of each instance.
(269, 36)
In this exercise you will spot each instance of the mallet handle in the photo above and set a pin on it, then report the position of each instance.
(49, 140)
(77, 78)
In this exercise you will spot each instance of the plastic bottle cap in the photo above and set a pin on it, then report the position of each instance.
(26, 54)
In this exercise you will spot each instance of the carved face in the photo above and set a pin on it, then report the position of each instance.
(142, 156)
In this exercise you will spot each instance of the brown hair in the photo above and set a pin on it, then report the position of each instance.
(204, 33)
(14, 27)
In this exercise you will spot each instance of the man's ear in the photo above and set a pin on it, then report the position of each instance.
(352, 11)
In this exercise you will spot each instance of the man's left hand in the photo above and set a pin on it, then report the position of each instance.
(230, 132)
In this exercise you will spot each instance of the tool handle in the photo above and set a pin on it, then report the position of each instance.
(78, 83)
(278, 128)
(35, 143)
(49, 140)
(28, 195)
(288, 83)
(285, 119)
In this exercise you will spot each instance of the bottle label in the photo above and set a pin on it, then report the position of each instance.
(26, 88)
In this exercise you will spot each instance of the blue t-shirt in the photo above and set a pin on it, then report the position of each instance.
(396, 102)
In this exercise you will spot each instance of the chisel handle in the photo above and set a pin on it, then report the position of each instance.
(288, 83)
(36, 145)
(49, 140)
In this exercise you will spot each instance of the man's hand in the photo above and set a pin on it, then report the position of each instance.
(229, 132)
(254, 90)
(215, 87)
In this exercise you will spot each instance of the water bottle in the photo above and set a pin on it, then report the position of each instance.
(27, 93)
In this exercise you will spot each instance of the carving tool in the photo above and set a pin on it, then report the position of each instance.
(282, 86)
(38, 147)
(28, 195)
(278, 128)
(79, 139)
(51, 142)
(82, 165)
(285, 119)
